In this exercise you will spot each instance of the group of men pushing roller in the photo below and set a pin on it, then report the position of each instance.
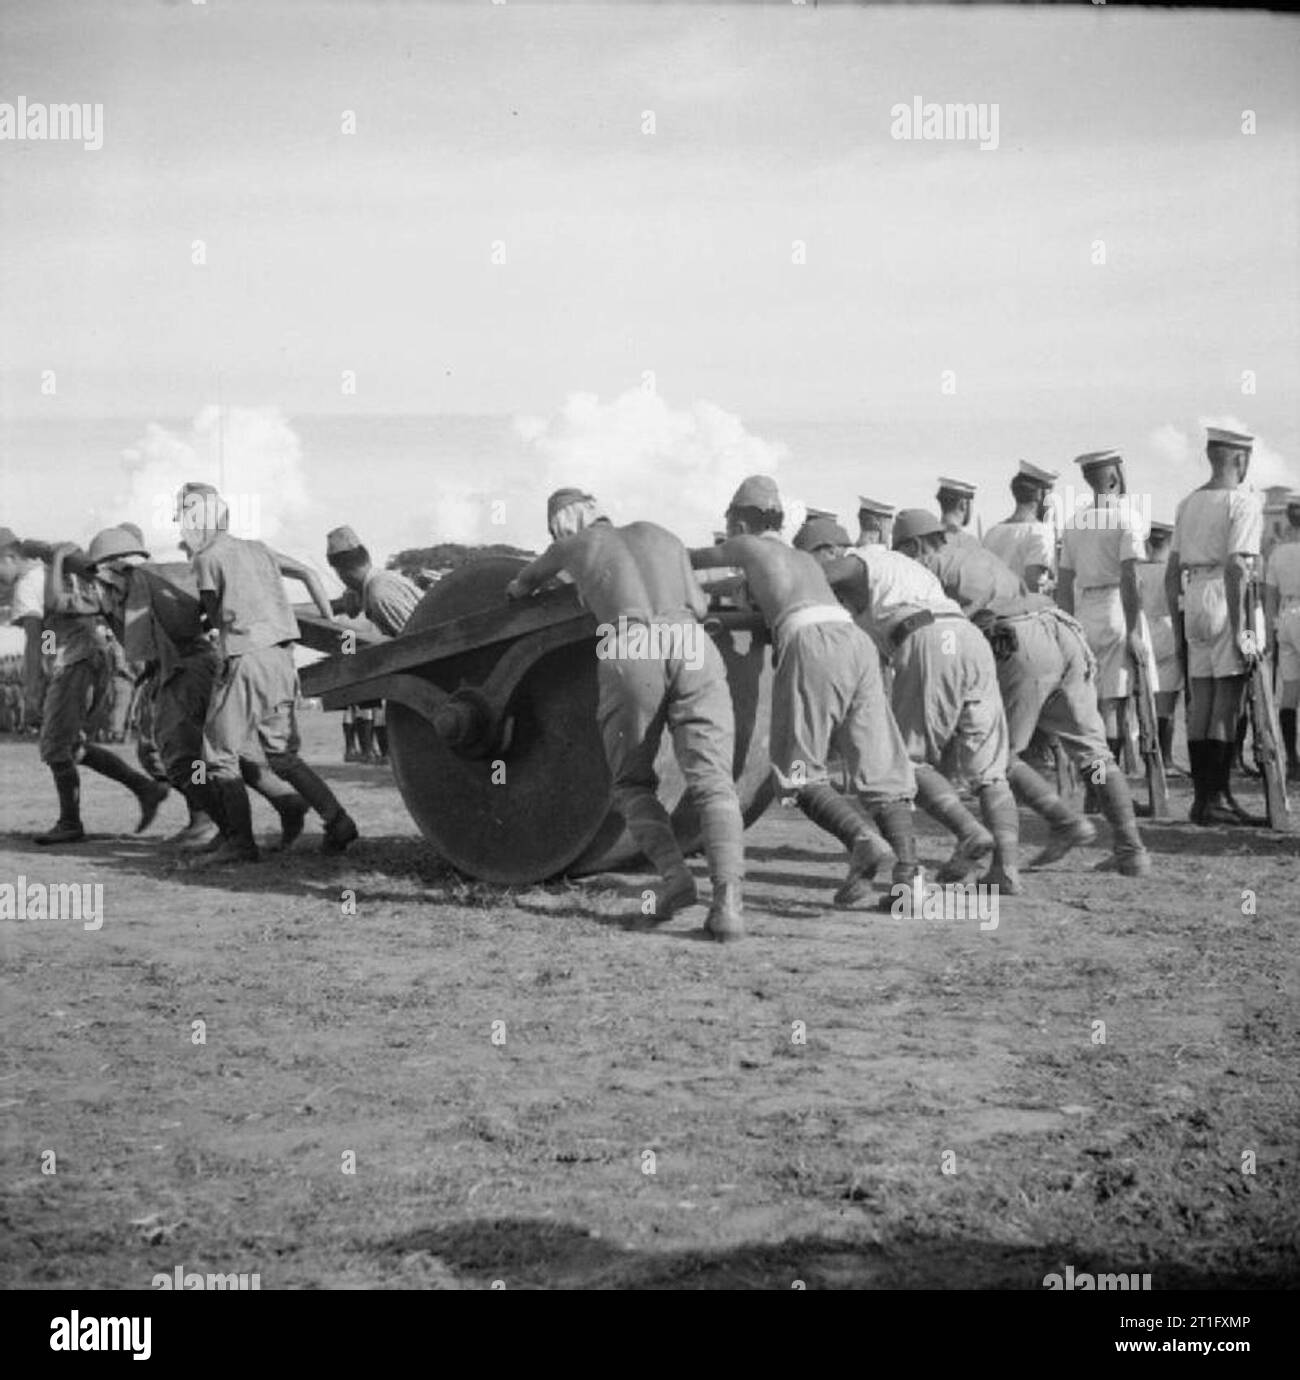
(977, 661)
(918, 655)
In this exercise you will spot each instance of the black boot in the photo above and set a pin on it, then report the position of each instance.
(149, 793)
(1002, 819)
(1240, 815)
(237, 842)
(68, 829)
(340, 827)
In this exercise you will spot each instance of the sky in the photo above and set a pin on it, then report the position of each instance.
(706, 200)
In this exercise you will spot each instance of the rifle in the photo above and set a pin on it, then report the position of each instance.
(1263, 710)
(1149, 737)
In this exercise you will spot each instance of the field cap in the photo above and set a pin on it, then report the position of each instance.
(1095, 458)
(820, 531)
(7, 538)
(758, 491)
(1039, 475)
(955, 488)
(339, 541)
(112, 544)
(1238, 440)
(870, 505)
(915, 522)
(561, 499)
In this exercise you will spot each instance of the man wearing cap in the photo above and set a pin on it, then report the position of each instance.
(1044, 671)
(640, 573)
(255, 701)
(956, 505)
(1164, 641)
(386, 598)
(945, 700)
(1217, 530)
(154, 609)
(1097, 584)
(1282, 609)
(874, 522)
(827, 689)
(1025, 541)
(74, 612)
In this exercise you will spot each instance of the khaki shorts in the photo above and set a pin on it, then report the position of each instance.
(1101, 616)
(1211, 649)
(947, 702)
(253, 712)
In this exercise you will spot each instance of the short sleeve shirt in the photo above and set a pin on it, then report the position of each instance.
(1098, 542)
(388, 600)
(255, 611)
(1018, 545)
(1213, 524)
(897, 586)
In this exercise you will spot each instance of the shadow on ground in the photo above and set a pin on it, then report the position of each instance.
(541, 1254)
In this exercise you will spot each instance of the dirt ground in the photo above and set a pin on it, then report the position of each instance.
(647, 1116)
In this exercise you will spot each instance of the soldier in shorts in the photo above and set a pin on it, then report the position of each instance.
(640, 573)
(255, 700)
(827, 689)
(1217, 530)
(945, 701)
(1164, 643)
(1044, 671)
(1097, 584)
(1282, 607)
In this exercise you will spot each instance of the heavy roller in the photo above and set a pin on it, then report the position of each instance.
(492, 724)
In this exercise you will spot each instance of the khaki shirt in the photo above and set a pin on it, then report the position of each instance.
(255, 611)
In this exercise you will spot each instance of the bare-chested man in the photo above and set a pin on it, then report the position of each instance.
(664, 671)
(828, 687)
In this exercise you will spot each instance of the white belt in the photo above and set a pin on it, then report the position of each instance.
(807, 616)
(1097, 589)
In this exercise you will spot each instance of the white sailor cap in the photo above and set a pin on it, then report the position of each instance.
(1039, 475)
(869, 505)
(1098, 457)
(1162, 529)
(1218, 436)
(958, 488)
(812, 513)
